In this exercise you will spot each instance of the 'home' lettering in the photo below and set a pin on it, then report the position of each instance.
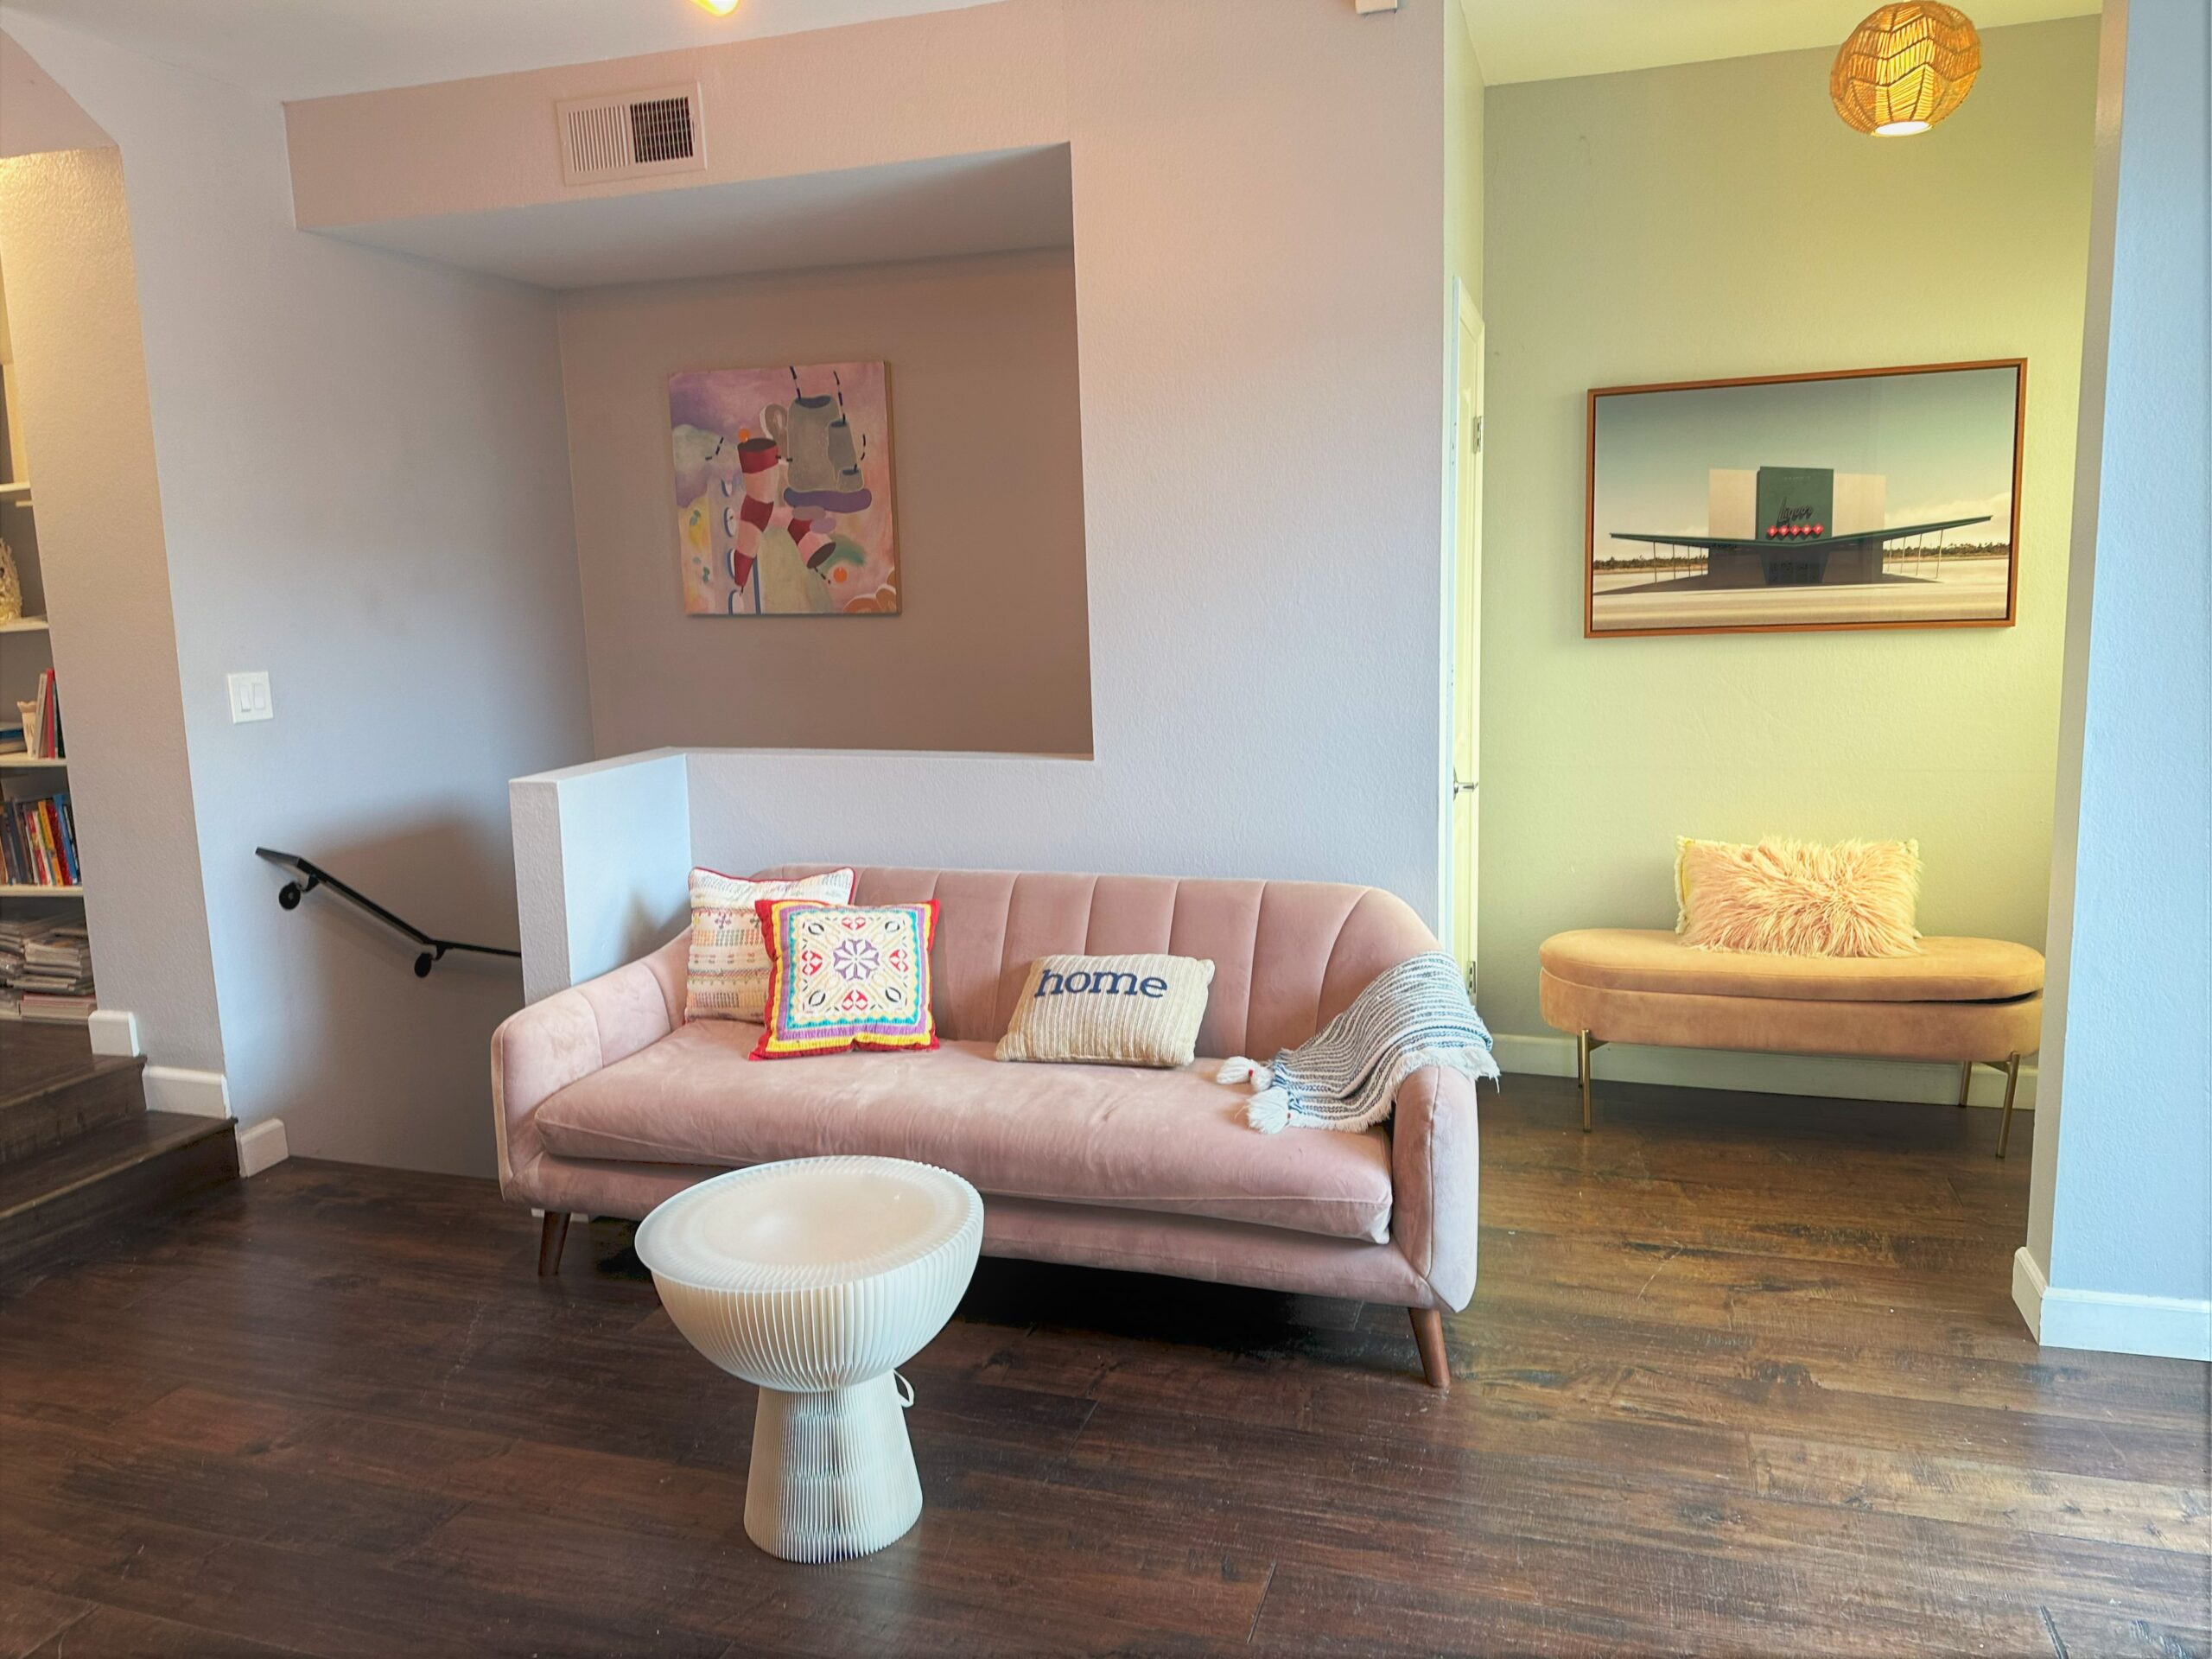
(1102, 983)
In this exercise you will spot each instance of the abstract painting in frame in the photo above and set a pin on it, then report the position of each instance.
(783, 490)
(1859, 498)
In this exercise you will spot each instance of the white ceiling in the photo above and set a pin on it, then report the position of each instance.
(989, 203)
(308, 48)
(1543, 40)
(312, 48)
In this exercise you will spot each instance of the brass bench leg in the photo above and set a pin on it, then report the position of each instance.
(2011, 1088)
(1584, 1045)
(1966, 1081)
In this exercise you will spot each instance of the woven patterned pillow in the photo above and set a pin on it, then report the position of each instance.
(843, 977)
(1793, 897)
(726, 977)
(1115, 1010)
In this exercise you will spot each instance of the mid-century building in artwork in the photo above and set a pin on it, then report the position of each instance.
(1794, 527)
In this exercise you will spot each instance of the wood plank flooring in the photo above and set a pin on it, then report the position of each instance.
(1741, 1377)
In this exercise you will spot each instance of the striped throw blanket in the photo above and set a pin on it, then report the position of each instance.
(1347, 1075)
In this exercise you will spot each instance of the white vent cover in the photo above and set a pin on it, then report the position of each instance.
(632, 134)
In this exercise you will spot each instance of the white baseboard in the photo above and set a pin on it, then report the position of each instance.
(1830, 1076)
(261, 1145)
(114, 1033)
(2109, 1321)
(173, 1088)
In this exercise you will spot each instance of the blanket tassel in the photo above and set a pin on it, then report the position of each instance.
(1269, 1111)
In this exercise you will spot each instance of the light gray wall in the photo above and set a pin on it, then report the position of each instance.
(2122, 1202)
(991, 651)
(365, 489)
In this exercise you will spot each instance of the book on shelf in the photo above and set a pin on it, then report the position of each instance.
(38, 842)
(41, 722)
(11, 739)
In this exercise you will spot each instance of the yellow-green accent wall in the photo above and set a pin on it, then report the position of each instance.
(1717, 220)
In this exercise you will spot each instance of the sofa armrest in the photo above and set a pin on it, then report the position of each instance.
(569, 1035)
(1435, 1170)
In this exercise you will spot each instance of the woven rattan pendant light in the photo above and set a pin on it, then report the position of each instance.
(1907, 67)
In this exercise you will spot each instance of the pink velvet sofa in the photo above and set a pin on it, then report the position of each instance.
(607, 1101)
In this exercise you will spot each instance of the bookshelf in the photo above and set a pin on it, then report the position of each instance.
(40, 924)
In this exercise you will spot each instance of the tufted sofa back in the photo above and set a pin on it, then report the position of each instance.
(1288, 955)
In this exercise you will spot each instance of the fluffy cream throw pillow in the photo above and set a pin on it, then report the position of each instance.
(1793, 898)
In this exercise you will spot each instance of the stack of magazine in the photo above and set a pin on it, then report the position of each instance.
(45, 969)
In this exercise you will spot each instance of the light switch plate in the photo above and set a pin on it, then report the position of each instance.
(249, 697)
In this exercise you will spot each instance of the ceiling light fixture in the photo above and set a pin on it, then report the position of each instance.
(720, 8)
(1905, 68)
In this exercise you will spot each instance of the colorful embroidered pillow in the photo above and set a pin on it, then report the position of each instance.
(842, 978)
(1115, 1010)
(1793, 897)
(726, 977)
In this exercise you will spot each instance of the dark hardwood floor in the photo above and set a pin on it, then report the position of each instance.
(1741, 1377)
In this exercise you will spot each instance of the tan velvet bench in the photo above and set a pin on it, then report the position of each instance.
(1970, 1001)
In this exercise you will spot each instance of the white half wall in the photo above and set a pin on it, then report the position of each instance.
(603, 860)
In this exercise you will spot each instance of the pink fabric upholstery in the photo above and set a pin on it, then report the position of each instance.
(1167, 1140)
(607, 1103)
(1288, 955)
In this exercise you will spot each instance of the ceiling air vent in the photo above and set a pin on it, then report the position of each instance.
(631, 134)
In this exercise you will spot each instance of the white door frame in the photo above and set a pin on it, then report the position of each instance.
(1466, 320)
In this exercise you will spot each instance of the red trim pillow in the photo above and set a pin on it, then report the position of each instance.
(846, 976)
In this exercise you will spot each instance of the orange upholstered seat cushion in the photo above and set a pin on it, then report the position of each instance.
(1648, 959)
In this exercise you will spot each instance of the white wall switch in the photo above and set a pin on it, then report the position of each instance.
(1368, 7)
(249, 697)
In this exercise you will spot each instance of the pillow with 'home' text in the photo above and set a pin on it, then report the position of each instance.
(1111, 1010)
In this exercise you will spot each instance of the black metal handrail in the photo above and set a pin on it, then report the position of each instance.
(315, 876)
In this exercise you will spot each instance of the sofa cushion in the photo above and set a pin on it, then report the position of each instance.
(1942, 970)
(1173, 1142)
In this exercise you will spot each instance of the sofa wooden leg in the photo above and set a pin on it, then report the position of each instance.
(1429, 1334)
(1965, 1081)
(2011, 1088)
(550, 1238)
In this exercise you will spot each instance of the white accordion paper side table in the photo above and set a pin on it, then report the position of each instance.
(814, 1279)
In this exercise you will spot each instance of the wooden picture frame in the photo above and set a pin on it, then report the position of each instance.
(1793, 541)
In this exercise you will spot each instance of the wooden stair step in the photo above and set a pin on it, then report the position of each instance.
(119, 1174)
(41, 1113)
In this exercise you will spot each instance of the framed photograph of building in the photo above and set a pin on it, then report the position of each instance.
(1859, 498)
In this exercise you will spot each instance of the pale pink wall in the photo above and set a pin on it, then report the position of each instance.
(992, 650)
(1258, 191)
